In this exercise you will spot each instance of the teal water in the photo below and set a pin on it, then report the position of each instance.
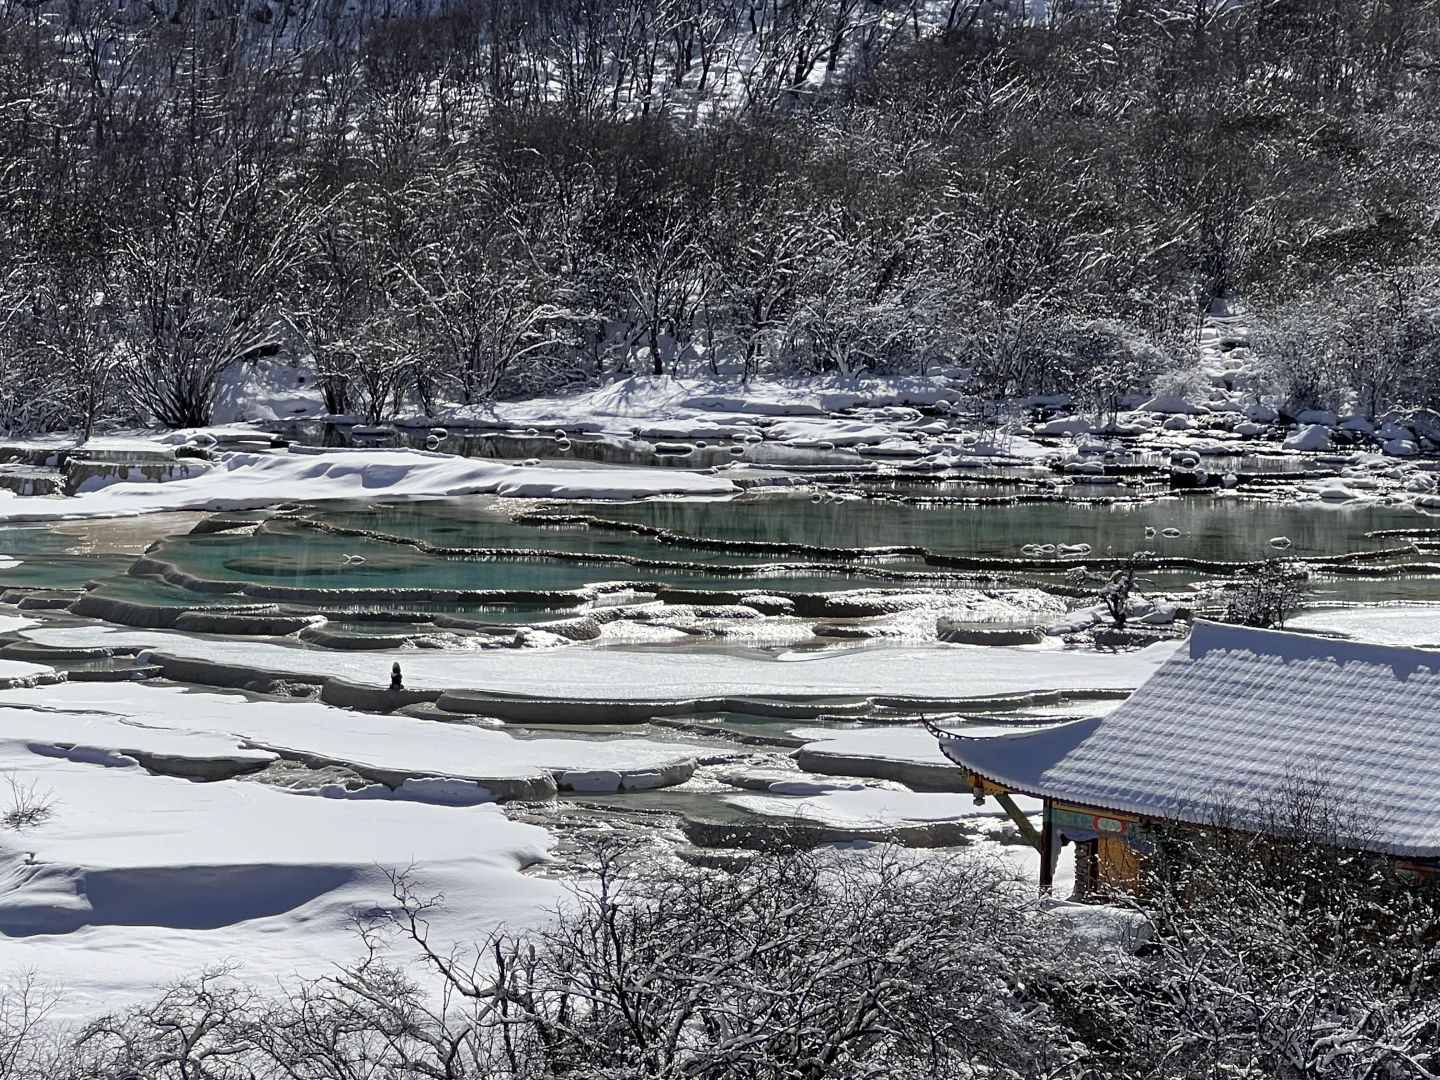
(471, 523)
(294, 556)
(308, 559)
(62, 571)
(1210, 528)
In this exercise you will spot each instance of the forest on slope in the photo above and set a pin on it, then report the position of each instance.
(437, 201)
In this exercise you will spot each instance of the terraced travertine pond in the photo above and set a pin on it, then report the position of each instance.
(704, 674)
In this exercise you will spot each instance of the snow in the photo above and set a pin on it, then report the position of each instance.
(164, 718)
(894, 742)
(267, 389)
(1236, 717)
(944, 671)
(137, 880)
(243, 480)
(880, 807)
(871, 412)
(75, 721)
(20, 669)
(617, 406)
(1070, 425)
(1172, 404)
(1314, 437)
(1391, 624)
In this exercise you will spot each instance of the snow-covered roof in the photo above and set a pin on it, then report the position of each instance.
(1238, 715)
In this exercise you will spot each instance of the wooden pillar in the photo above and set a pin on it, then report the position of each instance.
(1087, 867)
(1049, 842)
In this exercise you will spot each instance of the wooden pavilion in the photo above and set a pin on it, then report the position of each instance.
(1234, 717)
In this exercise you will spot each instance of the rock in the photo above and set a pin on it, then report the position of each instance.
(1400, 448)
(1070, 425)
(1314, 437)
(1111, 638)
(767, 833)
(1179, 423)
(916, 775)
(1357, 424)
(604, 781)
(1260, 414)
(1172, 404)
(206, 622)
(1316, 416)
(782, 782)
(1426, 424)
(960, 634)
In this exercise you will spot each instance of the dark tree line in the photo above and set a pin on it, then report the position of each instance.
(454, 200)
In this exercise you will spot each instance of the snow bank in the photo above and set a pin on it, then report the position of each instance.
(617, 407)
(242, 481)
(268, 389)
(942, 671)
(908, 743)
(1389, 624)
(1171, 405)
(137, 880)
(165, 719)
(879, 807)
(1314, 437)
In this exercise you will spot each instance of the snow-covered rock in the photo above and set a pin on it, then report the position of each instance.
(1400, 448)
(1316, 416)
(1260, 414)
(267, 389)
(1172, 404)
(1314, 437)
(1070, 425)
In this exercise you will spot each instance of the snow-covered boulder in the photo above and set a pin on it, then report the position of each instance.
(1400, 448)
(1250, 429)
(1177, 422)
(267, 389)
(1314, 437)
(1426, 424)
(1335, 489)
(1357, 424)
(1172, 404)
(1260, 414)
(1316, 416)
(1070, 425)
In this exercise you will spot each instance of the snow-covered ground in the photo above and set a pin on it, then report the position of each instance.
(104, 720)
(940, 671)
(878, 807)
(137, 880)
(899, 743)
(246, 480)
(1388, 624)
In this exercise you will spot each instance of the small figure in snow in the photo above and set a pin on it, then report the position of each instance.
(396, 681)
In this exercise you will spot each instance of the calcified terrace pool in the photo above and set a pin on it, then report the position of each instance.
(510, 562)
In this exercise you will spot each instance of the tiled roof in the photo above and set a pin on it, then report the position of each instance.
(1240, 715)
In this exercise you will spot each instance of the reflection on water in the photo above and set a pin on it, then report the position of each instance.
(291, 554)
(1228, 529)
